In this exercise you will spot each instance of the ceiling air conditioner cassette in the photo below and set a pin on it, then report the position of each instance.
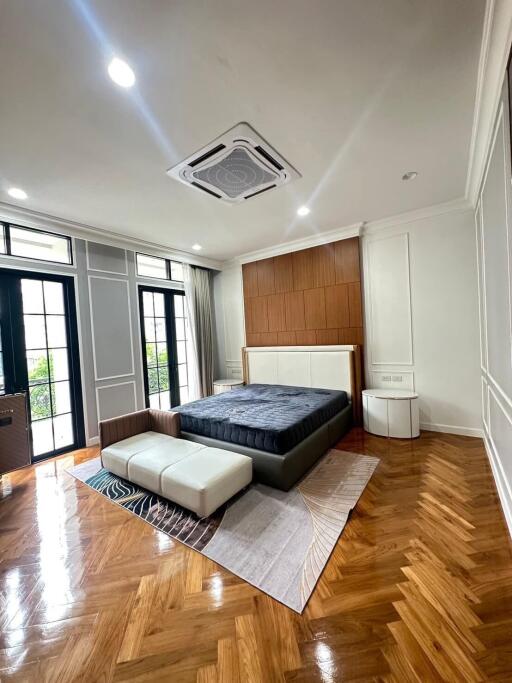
(236, 166)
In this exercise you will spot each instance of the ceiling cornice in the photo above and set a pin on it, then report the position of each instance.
(454, 206)
(36, 219)
(296, 245)
(361, 229)
(494, 51)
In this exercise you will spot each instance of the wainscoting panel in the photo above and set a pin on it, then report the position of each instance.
(106, 259)
(311, 296)
(494, 247)
(111, 326)
(116, 399)
(390, 324)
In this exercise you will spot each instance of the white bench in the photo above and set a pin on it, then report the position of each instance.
(196, 477)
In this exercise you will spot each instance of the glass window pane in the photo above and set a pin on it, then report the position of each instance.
(151, 266)
(160, 329)
(32, 295)
(154, 401)
(42, 437)
(153, 380)
(182, 375)
(40, 401)
(182, 351)
(178, 305)
(151, 355)
(161, 350)
(63, 430)
(35, 335)
(37, 366)
(2, 239)
(54, 297)
(180, 329)
(40, 245)
(163, 378)
(165, 400)
(183, 395)
(147, 304)
(59, 368)
(149, 329)
(176, 271)
(61, 400)
(159, 305)
(56, 328)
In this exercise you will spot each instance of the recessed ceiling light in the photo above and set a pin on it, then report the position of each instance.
(121, 73)
(410, 175)
(303, 211)
(197, 247)
(17, 193)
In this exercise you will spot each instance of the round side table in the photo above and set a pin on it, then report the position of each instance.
(222, 385)
(391, 412)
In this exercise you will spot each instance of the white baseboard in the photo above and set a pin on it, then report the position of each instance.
(452, 429)
(504, 491)
(93, 441)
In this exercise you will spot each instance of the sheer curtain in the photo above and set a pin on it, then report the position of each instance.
(197, 283)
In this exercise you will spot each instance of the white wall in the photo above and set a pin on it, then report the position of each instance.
(494, 246)
(421, 317)
(229, 322)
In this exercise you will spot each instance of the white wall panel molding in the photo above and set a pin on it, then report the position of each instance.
(120, 401)
(110, 272)
(116, 334)
(494, 51)
(494, 249)
(388, 300)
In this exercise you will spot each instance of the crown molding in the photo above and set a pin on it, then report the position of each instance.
(494, 52)
(353, 230)
(36, 219)
(453, 206)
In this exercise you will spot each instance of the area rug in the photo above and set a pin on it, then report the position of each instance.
(277, 541)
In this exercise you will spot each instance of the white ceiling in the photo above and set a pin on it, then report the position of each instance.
(353, 93)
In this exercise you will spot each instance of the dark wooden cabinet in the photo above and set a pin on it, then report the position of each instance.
(14, 441)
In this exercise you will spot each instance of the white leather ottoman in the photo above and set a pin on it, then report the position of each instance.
(206, 479)
(197, 477)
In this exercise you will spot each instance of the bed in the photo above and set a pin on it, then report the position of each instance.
(297, 402)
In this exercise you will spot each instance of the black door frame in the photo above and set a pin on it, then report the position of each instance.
(13, 345)
(170, 329)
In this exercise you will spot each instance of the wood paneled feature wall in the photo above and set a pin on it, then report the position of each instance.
(312, 296)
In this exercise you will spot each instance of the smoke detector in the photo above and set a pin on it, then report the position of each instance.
(236, 166)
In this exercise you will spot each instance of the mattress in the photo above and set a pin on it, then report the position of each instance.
(272, 418)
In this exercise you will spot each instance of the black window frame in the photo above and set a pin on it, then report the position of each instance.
(170, 329)
(8, 250)
(168, 262)
(15, 351)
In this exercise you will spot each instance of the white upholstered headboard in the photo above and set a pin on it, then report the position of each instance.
(322, 367)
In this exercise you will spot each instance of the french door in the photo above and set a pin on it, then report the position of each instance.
(39, 356)
(164, 331)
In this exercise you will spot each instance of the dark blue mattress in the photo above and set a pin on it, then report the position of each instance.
(268, 417)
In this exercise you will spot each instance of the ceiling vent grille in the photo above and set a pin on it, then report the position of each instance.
(236, 166)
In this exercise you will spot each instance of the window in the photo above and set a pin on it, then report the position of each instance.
(39, 245)
(182, 336)
(159, 268)
(164, 338)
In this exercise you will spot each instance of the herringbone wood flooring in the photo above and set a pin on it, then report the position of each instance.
(419, 587)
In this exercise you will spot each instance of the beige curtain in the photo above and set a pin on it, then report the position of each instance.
(198, 299)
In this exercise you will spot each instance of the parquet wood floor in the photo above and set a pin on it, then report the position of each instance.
(419, 587)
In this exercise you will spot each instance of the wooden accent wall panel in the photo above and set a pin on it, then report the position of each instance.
(307, 297)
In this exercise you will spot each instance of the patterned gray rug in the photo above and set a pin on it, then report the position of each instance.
(277, 541)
